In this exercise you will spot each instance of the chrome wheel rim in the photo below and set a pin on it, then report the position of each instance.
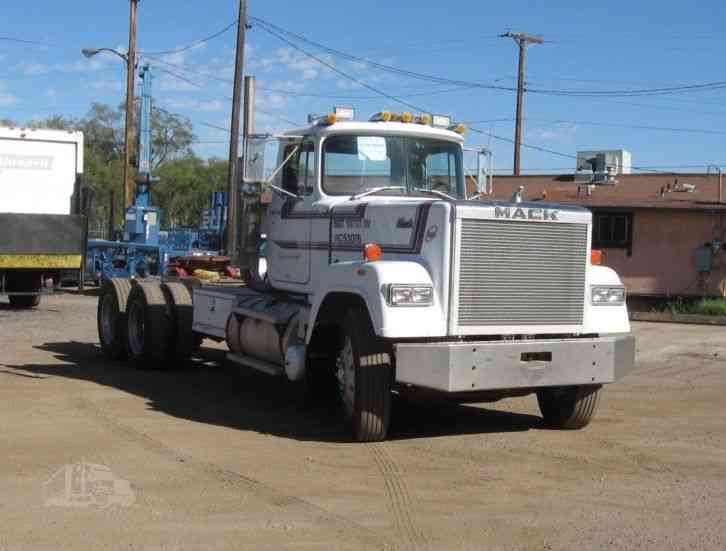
(345, 365)
(136, 328)
(107, 318)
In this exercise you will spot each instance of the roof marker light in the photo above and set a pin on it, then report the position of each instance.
(382, 116)
(458, 128)
(406, 117)
(423, 118)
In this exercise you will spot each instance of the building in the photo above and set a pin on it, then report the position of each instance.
(663, 233)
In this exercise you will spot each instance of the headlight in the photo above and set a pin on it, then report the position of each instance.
(410, 295)
(608, 296)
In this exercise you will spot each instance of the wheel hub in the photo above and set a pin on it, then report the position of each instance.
(345, 371)
(136, 329)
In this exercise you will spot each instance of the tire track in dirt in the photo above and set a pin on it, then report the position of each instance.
(399, 499)
(227, 477)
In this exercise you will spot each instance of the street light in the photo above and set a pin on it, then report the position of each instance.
(90, 52)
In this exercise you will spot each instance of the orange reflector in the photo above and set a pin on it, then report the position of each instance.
(330, 119)
(372, 252)
(595, 257)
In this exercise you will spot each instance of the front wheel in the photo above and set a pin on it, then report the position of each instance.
(24, 301)
(365, 378)
(568, 407)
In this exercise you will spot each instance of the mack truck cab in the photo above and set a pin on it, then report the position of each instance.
(389, 270)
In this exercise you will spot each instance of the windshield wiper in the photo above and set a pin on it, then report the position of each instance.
(372, 191)
(435, 192)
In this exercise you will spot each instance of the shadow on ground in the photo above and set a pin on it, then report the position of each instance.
(210, 390)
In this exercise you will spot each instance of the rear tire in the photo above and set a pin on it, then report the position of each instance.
(183, 341)
(149, 326)
(365, 377)
(568, 407)
(24, 301)
(111, 318)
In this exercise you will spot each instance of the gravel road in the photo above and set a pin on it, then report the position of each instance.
(97, 455)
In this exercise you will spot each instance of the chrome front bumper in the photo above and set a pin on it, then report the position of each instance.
(496, 365)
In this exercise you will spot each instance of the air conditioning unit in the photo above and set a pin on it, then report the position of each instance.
(602, 167)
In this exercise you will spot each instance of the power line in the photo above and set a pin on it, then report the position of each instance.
(24, 41)
(608, 124)
(699, 87)
(196, 42)
(228, 98)
(186, 68)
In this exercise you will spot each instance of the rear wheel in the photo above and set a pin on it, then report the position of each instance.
(568, 407)
(149, 326)
(111, 318)
(183, 340)
(365, 378)
(24, 301)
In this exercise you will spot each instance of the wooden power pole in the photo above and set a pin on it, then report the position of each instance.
(233, 183)
(522, 41)
(129, 133)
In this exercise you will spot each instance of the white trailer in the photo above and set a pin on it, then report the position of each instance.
(384, 275)
(41, 231)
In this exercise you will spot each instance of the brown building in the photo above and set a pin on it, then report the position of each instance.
(663, 233)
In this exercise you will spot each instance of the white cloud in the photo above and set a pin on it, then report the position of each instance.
(6, 98)
(211, 106)
(83, 65)
(112, 85)
(558, 131)
(35, 68)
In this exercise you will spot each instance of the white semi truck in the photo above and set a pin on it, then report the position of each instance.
(42, 233)
(384, 275)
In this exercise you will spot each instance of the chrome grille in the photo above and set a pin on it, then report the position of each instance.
(521, 273)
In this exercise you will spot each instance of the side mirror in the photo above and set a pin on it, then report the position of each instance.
(478, 168)
(253, 159)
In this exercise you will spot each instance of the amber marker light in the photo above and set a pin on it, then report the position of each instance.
(595, 257)
(372, 252)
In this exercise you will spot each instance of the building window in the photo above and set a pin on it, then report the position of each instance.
(612, 230)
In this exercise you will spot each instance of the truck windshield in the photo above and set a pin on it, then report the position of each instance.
(353, 164)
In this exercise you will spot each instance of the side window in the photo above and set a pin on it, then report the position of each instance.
(306, 169)
(299, 172)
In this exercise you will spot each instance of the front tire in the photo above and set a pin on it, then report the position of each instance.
(24, 301)
(568, 407)
(365, 378)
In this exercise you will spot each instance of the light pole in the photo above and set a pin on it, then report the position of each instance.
(130, 59)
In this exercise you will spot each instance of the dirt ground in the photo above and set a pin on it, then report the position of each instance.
(97, 455)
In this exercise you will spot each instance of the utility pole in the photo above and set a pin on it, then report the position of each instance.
(522, 41)
(233, 174)
(129, 134)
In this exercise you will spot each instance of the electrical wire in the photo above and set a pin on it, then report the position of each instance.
(196, 42)
(186, 68)
(689, 88)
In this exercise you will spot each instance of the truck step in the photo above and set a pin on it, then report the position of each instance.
(254, 363)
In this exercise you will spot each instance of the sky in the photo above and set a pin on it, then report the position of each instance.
(589, 46)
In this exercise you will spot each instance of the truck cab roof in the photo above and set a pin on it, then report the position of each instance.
(379, 128)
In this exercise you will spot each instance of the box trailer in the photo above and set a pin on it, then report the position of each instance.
(42, 233)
